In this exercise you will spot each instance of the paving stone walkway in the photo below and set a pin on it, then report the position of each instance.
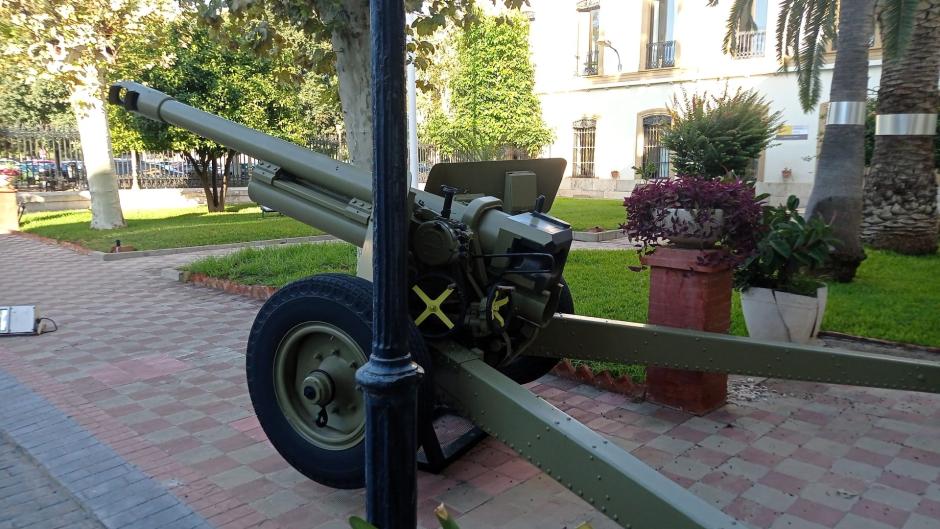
(149, 373)
(29, 497)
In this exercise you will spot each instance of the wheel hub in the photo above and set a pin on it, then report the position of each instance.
(314, 374)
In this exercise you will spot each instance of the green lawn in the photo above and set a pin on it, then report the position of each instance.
(174, 228)
(167, 228)
(585, 213)
(894, 297)
(278, 265)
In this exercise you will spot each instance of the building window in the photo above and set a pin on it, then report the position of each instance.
(655, 155)
(750, 42)
(588, 59)
(661, 48)
(582, 159)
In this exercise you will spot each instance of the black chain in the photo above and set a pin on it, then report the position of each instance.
(322, 417)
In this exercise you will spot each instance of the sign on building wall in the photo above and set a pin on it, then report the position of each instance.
(793, 132)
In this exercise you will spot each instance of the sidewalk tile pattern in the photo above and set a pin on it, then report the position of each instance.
(154, 370)
(114, 492)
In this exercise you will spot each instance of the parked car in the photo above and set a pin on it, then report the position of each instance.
(37, 168)
(9, 167)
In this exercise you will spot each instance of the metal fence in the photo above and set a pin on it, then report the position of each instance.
(51, 160)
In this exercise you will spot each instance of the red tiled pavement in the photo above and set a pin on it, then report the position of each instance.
(155, 370)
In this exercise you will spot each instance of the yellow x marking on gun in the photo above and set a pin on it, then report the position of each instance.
(433, 306)
(498, 303)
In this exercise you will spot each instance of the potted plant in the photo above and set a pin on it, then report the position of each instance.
(691, 212)
(780, 297)
(714, 136)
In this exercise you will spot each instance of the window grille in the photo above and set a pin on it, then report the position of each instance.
(582, 160)
(655, 155)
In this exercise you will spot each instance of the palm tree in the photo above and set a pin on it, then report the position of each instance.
(901, 190)
(805, 28)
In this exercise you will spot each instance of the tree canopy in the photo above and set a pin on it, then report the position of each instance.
(491, 104)
(230, 81)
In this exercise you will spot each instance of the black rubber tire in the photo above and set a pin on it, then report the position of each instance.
(525, 369)
(346, 302)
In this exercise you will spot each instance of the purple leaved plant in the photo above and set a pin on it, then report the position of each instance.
(693, 212)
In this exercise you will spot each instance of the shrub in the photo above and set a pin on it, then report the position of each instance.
(789, 249)
(648, 208)
(716, 136)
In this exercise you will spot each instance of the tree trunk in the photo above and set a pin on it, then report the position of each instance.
(88, 105)
(901, 188)
(204, 168)
(224, 181)
(353, 67)
(837, 188)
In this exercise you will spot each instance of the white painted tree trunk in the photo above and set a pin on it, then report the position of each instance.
(88, 105)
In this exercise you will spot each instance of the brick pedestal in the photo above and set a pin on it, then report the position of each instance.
(9, 214)
(688, 294)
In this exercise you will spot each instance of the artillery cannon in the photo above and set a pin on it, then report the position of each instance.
(490, 310)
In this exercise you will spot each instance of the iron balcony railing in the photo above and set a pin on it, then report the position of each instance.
(661, 54)
(750, 44)
(590, 64)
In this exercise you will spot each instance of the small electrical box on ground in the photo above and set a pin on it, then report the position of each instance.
(19, 320)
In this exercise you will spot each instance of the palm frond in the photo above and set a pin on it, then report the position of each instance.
(785, 9)
(810, 56)
(896, 19)
(739, 19)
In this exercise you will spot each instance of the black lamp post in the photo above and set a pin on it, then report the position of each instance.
(390, 379)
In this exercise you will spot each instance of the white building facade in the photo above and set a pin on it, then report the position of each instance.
(606, 70)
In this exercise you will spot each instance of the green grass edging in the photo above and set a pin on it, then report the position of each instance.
(893, 298)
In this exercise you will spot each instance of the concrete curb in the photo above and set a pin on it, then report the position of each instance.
(598, 236)
(105, 256)
(192, 249)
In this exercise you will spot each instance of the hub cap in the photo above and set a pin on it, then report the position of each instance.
(314, 368)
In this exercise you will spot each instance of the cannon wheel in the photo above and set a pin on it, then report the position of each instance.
(525, 369)
(304, 348)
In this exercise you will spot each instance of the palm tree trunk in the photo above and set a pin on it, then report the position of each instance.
(837, 189)
(901, 188)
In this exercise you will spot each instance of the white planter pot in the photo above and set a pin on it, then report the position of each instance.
(782, 316)
(689, 233)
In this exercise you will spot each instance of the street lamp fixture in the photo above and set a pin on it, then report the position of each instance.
(607, 43)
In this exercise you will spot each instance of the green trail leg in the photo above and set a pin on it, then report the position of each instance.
(587, 338)
(604, 475)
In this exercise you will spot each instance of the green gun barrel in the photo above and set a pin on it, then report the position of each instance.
(293, 176)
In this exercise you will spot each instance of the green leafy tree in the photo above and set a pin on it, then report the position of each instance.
(345, 24)
(231, 82)
(75, 44)
(492, 103)
(42, 103)
(717, 136)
